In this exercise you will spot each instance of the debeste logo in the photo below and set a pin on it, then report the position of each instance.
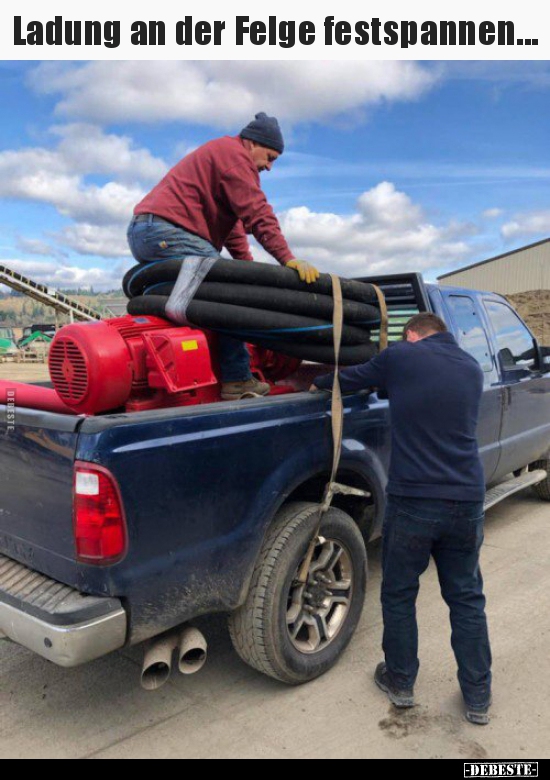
(10, 410)
(501, 769)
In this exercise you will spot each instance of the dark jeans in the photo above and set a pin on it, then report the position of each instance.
(451, 532)
(154, 241)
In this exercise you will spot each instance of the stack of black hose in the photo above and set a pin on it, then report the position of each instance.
(266, 305)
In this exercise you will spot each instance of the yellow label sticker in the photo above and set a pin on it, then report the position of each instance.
(187, 346)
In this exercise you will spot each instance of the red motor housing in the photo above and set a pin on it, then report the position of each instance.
(131, 362)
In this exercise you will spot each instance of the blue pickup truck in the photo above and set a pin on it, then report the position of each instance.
(213, 506)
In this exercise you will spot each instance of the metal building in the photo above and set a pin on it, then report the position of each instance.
(522, 270)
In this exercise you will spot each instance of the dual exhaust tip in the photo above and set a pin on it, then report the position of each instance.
(191, 648)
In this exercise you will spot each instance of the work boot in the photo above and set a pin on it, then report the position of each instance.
(249, 388)
(479, 716)
(399, 697)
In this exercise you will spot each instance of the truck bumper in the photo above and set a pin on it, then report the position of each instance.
(56, 621)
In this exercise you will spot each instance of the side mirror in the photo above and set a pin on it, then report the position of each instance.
(545, 357)
(519, 366)
(506, 359)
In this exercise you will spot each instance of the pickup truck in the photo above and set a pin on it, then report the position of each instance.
(213, 506)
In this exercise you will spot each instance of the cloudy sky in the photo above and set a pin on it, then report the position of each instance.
(389, 166)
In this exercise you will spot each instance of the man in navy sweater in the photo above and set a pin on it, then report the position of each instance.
(435, 495)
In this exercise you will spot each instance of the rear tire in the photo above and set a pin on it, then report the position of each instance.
(542, 489)
(293, 633)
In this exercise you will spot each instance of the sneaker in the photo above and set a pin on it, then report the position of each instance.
(479, 716)
(399, 697)
(249, 388)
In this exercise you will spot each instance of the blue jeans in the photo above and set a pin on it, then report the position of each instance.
(452, 532)
(154, 241)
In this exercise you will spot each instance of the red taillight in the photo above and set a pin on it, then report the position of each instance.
(99, 524)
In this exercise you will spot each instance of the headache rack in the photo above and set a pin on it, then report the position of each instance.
(405, 296)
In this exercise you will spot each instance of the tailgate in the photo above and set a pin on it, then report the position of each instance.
(37, 452)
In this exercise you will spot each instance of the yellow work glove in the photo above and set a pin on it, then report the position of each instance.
(308, 273)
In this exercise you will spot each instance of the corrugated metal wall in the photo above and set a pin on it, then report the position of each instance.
(523, 270)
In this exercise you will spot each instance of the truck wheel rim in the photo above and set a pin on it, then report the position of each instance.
(317, 610)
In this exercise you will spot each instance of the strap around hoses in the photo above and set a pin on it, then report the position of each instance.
(383, 338)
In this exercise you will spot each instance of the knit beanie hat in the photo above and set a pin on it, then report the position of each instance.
(264, 130)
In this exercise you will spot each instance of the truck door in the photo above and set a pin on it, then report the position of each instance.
(525, 432)
(469, 330)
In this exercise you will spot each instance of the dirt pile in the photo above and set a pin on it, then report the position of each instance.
(534, 308)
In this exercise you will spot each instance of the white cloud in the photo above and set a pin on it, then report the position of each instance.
(58, 176)
(100, 241)
(32, 268)
(88, 149)
(530, 223)
(35, 174)
(492, 213)
(385, 206)
(112, 203)
(35, 246)
(22, 176)
(388, 233)
(83, 149)
(67, 276)
(227, 93)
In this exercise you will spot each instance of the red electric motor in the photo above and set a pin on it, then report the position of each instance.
(134, 363)
(139, 363)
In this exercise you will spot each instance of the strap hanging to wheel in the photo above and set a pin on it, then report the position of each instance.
(337, 415)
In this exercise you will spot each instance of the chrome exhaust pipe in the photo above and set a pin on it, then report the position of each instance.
(157, 661)
(192, 650)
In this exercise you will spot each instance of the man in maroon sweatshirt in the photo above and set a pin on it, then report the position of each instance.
(210, 199)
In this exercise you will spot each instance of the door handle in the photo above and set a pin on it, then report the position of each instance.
(507, 396)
